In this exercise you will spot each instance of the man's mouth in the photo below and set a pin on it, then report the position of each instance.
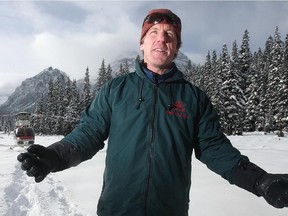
(160, 50)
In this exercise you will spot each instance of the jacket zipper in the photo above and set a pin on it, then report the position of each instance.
(155, 89)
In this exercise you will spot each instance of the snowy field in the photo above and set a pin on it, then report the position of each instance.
(75, 191)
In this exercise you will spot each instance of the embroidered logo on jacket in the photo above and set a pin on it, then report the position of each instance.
(178, 110)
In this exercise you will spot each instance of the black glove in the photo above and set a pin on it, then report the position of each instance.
(39, 161)
(274, 189)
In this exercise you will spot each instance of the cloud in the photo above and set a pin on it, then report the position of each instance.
(71, 35)
(17, 61)
(208, 25)
(72, 53)
(64, 44)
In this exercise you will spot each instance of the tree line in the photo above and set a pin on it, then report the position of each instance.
(61, 111)
(248, 90)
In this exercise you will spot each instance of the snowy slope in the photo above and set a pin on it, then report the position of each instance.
(26, 95)
(75, 191)
(3, 99)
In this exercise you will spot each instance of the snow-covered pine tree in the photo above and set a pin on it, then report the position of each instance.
(273, 85)
(120, 70)
(237, 97)
(223, 104)
(282, 105)
(188, 71)
(38, 118)
(101, 78)
(109, 73)
(263, 114)
(201, 77)
(74, 105)
(285, 78)
(59, 96)
(208, 79)
(194, 75)
(260, 83)
(123, 69)
(39, 110)
(138, 59)
(67, 93)
(126, 67)
(58, 116)
(66, 101)
(51, 109)
(254, 111)
(86, 91)
(73, 110)
(245, 61)
(216, 81)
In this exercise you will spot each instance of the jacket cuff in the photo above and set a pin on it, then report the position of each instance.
(68, 154)
(246, 174)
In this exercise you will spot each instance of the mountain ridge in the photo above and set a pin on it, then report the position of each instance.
(26, 96)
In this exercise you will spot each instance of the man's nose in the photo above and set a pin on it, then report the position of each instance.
(162, 37)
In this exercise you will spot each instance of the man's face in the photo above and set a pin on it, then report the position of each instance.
(159, 47)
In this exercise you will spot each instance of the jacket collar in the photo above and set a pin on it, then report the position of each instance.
(171, 75)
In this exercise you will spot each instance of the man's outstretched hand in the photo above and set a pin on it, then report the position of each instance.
(38, 161)
(274, 189)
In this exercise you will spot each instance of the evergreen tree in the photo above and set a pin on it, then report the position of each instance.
(86, 95)
(200, 82)
(224, 106)
(39, 117)
(282, 93)
(188, 71)
(67, 93)
(73, 110)
(284, 89)
(245, 62)
(263, 114)
(51, 109)
(40, 106)
(74, 105)
(258, 88)
(101, 78)
(252, 104)
(196, 76)
(124, 69)
(51, 102)
(109, 73)
(120, 70)
(216, 81)
(59, 97)
(237, 97)
(273, 85)
(254, 108)
(208, 82)
(138, 59)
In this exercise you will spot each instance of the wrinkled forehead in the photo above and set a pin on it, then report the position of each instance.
(162, 27)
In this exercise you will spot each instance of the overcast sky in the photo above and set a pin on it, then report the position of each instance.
(71, 35)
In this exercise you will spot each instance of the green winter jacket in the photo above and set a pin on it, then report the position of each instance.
(153, 129)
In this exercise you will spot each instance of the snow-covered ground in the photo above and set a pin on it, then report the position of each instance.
(75, 191)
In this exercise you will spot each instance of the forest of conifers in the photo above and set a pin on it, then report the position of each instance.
(248, 90)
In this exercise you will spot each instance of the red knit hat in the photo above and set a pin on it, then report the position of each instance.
(161, 16)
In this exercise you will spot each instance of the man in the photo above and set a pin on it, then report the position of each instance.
(154, 120)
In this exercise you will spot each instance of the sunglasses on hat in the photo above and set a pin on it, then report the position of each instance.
(156, 18)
